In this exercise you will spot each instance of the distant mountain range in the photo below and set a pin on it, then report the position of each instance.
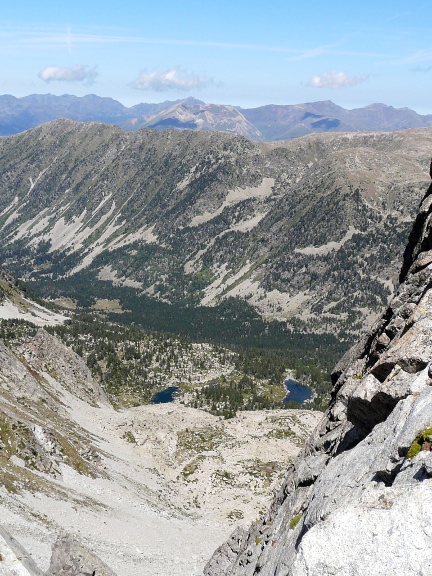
(266, 123)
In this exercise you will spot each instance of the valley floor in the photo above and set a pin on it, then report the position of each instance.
(173, 484)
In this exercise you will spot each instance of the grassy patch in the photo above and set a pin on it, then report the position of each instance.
(129, 437)
(109, 305)
(8, 480)
(282, 434)
(7, 439)
(235, 515)
(199, 440)
(65, 303)
(190, 468)
(73, 458)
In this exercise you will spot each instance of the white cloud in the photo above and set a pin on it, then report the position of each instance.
(78, 73)
(173, 79)
(333, 79)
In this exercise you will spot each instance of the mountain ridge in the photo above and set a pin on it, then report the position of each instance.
(255, 221)
(289, 246)
(268, 122)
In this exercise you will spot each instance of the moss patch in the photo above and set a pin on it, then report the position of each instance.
(417, 445)
(294, 521)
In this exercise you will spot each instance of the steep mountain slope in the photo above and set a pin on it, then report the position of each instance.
(14, 304)
(308, 231)
(357, 500)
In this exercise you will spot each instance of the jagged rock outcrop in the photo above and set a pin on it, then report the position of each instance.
(47, 355)
(71, 558)
(357, 501)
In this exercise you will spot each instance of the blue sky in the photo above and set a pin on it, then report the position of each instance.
(240, 52)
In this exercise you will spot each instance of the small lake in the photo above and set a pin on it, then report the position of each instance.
(297, 392)
(165, 396)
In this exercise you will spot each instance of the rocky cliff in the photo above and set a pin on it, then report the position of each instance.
(357, 500)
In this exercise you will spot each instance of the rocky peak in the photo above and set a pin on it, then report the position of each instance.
(367, 468)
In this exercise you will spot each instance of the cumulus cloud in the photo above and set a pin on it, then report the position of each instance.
(173, 79)
(78, 73)
(335, 79)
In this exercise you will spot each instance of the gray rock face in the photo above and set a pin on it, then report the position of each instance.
(70, 558)
(14, 560)
(357, 500)
(46, 354)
